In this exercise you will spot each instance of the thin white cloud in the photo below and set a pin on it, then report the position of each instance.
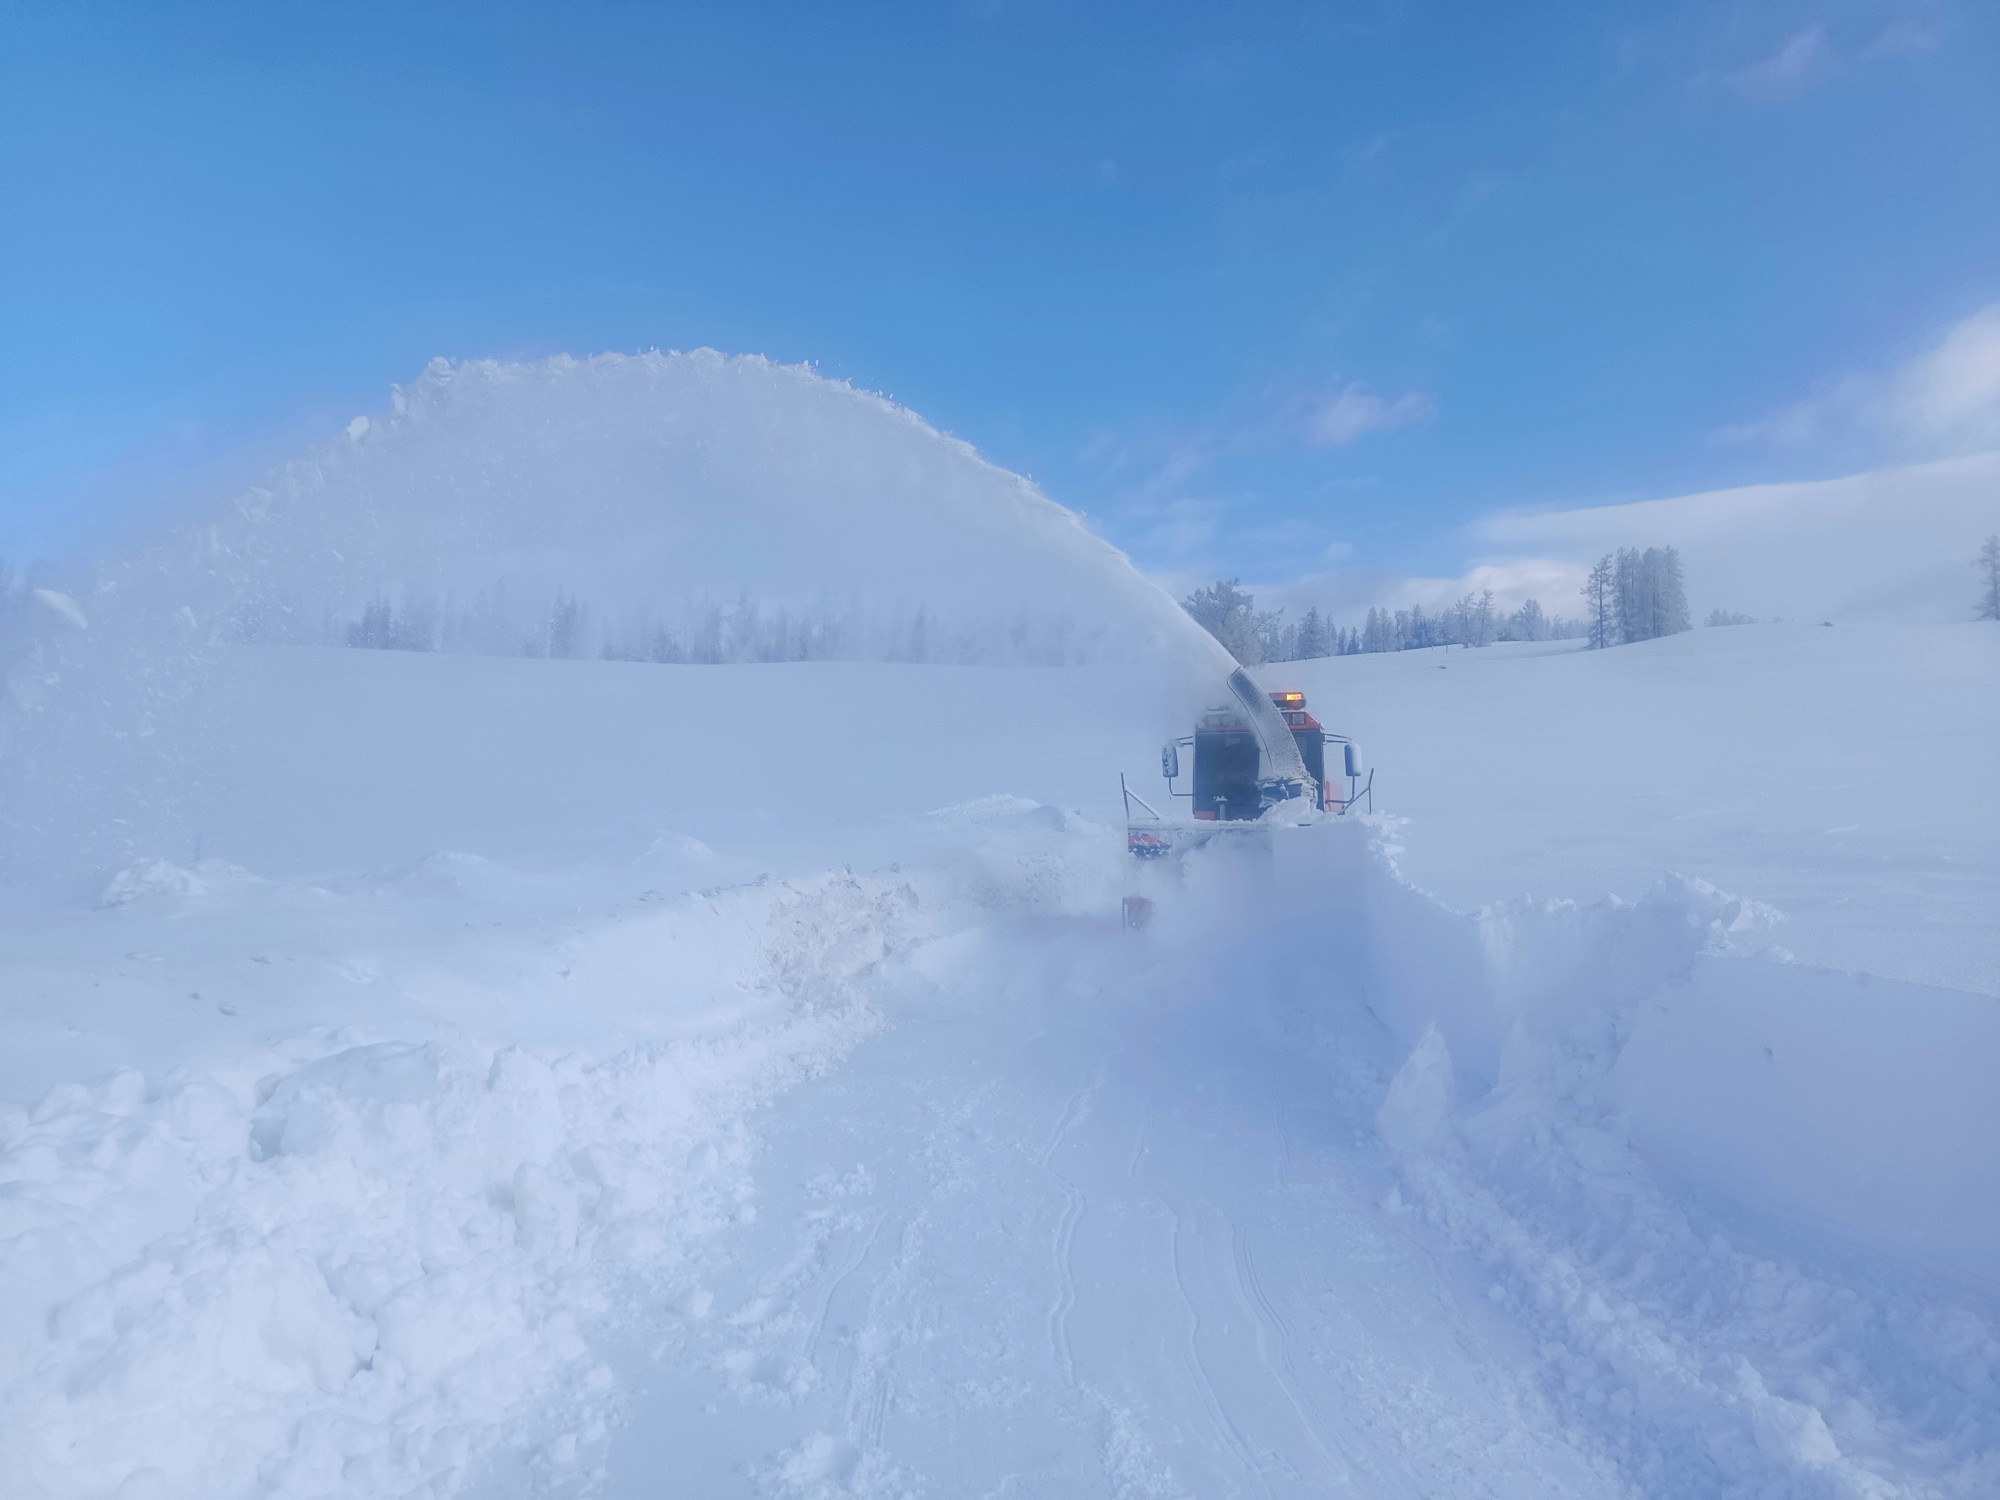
(1177, 530)
(1950, 393)
(1162, 506)
(1355, 411)
(1945, 400)
(1800, 61)
(1916, 33)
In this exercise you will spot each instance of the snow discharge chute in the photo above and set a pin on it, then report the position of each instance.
(1282, 761)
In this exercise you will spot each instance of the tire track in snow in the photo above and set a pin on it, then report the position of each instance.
(1065, 1303)
(833, 1288)
(871, 1381)
(1076, 1109)
(1341, 1459)
(1272, 1327)
(1230, 1435)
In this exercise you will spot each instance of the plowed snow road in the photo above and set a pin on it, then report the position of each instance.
(1103, 1226)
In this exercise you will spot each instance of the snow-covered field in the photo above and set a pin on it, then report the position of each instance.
(617, 1110)
(1843, 774)
(493, 1076)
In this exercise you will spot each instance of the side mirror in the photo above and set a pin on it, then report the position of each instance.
(1170, 760)
(1353, 758)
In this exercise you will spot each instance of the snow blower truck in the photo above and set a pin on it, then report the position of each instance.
(1255, 764)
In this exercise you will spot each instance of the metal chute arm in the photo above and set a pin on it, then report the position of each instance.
(1282, 760)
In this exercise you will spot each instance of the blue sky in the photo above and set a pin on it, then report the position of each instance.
(1264, 289)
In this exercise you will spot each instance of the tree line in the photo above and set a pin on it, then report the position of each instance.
(703, 632)
(1229, 612)
(1635, 596)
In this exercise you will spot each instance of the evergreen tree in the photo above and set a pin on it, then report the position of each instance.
(1276, 641)
(376, 629)
(565, 629)
(1313, 642)
(1665, 592)
(1375, 631)
(1628, 594)
(1989, 564)
(1600, 602)
(1527, 623)
(1229, 613)
(1480, 622)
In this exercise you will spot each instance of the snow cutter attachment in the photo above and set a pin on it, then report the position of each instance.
(1243, 773)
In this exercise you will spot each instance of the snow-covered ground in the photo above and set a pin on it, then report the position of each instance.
(1843, 774)
(434, 1075)
(630, 1109)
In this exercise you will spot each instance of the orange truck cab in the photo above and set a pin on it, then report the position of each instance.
(1225, 779)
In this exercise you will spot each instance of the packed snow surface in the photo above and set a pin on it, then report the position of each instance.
(528, 1087)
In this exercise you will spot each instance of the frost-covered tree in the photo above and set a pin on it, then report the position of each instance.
(1647, 596)
(1228, 612)
(1527, 623)
(564, 635)
(1481, 621)
(1727, 617)
(1628, 592)
(1666, 592)
(1276, 641)
(376, 629)
(1989, 564)
(1600, 602)
(1375, 631)
(1313, 640)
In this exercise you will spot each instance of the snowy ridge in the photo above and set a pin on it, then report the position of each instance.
(347, 1265)
(1581, 1068)
(1852, 1103)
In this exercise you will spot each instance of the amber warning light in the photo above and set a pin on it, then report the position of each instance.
(1289, 700)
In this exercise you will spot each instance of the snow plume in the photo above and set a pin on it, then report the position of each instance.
(623, 506)
(634, 485)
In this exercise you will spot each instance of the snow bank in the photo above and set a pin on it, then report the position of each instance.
(1852, 1104)
(353, 1265)
(1748, 1210)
